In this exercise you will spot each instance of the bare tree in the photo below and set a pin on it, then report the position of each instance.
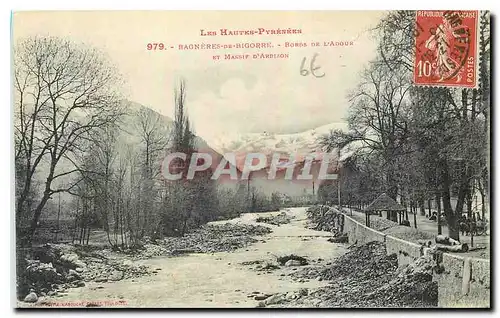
(63, 92)
(154, 139)
(433, 141)
(377, 119)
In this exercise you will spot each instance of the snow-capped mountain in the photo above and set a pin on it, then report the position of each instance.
(303, 142)
(297, 144)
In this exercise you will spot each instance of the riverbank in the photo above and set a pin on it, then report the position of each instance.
(52, 269)
(426, 231)
(291, 266)
(238, 278)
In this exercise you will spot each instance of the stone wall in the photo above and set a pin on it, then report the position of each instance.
(463, 282)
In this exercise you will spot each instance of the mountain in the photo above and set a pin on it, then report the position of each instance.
(129, 146)
(298, 144)
(302, 142)
(132, 136)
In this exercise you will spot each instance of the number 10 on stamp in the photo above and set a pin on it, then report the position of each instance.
(446, 48)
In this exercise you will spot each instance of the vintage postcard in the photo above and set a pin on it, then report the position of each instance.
(252, 159)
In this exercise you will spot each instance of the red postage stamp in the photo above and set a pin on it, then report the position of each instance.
(446, 49)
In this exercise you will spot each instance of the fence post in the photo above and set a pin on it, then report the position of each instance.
(467, 274)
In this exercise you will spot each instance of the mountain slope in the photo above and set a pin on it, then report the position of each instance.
(302, 142)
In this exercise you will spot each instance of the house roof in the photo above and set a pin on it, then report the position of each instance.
(384, 203)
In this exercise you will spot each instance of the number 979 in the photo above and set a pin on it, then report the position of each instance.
(155, 46)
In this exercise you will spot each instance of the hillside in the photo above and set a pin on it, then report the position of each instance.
(301, 142)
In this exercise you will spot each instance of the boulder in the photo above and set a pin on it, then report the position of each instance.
(339, 239)
(74, 273)
(274, 299)
(42, 275)
(116, 275)
(303, 292)
(293, 262)
(269, 266)
(79, 283)
(31, 298)
(284, 259)
(128, 262)
(261, 297)
(290, 296)
(72, 260)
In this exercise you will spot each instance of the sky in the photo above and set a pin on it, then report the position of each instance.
(226, 96)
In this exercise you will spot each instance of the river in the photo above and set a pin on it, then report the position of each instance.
(217, 279)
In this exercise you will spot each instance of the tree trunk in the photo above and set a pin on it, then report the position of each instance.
(27, 241)
(421, 205)
(464, 188)
(468, 200)
(88, 235)
(438, 206)
(451, 218)
(483, 207)
(415, 219)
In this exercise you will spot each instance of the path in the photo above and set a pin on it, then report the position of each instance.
(426, 225)
(218, 279)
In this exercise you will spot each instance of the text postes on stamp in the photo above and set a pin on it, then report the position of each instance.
(446, 50)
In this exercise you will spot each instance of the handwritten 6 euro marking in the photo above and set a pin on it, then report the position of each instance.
(312, 69)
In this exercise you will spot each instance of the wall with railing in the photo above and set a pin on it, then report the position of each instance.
(463, 282)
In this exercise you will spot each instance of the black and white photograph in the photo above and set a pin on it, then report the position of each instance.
(251, 159)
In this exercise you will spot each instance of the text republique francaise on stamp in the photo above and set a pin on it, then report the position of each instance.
(445, 48)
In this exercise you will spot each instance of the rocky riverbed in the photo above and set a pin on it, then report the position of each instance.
(243, 265)
(367, 277)
(54, 268)
(211, 238)
(281, 218)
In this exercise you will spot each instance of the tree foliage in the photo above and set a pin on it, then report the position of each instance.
(424, 143)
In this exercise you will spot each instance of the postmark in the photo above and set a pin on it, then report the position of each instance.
(446, 48)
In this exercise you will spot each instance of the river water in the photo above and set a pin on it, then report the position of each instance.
(218, 279)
